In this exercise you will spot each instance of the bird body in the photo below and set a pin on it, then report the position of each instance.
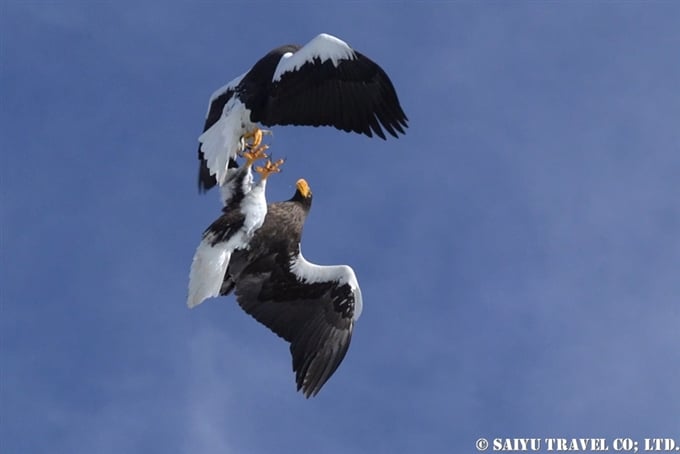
(313, 307)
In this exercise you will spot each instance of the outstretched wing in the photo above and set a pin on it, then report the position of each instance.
(327, 83)
(317, 318)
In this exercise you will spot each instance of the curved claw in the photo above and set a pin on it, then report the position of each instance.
(255, 154)
(256, 137)
(269, 168)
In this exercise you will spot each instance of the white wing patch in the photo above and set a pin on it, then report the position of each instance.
(223, 139)
(325, 47)
(358, 302)
(342, 274)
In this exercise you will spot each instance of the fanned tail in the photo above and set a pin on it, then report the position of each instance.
(207, 271)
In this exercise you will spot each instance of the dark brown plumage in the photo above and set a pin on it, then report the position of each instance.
(314, 312)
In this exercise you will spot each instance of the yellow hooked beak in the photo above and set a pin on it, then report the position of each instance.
(303, 188)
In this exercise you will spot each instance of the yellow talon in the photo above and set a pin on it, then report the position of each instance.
(255, 135)
(269, 168)
(255, 154)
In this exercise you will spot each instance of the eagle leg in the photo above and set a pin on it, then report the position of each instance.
(269, 168)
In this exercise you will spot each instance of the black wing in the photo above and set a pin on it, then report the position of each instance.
(317, 319)
(356, 96)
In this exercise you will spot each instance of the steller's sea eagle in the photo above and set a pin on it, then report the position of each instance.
(323, 83)
(313, 307)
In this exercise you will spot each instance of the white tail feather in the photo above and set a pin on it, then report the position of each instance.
(222, 140)
(207, 271)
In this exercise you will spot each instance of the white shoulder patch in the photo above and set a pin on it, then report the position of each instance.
(324, 46)
(358, 303)
(342, 274)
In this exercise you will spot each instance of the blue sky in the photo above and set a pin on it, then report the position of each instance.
(518, 249)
